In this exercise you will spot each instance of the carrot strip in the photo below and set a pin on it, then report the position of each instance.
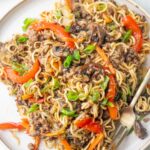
(113, 112)
(37, 143)
(96, 141)
(66, 144)
(105, 59)
(69, 4)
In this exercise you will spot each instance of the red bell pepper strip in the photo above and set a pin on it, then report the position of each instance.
(93, 127)
(57, 29)
(82, 123)
(11, 125)
(37, 143)
(131, 24)
(89, 124)
(14, 77)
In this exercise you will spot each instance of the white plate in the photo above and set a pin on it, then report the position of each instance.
(10, 25)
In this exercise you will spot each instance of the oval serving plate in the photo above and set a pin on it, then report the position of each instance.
(11, 24)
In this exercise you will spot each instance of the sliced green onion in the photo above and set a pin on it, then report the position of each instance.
(68, 112)
(101, 7)
(22, 39)
(127, 36)
(56, 84)
(58, 14)
(104, 84)
(76, 55)
(129, 91)
(95, 96)
(112, 26)
(33, 108)
(20, 68)
(72, 96)
(105, 101)
(67, 28)
(110, 104)
(68, 61)
(27, 22)
(27, 84)
(89, 49)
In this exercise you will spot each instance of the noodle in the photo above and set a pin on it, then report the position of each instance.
(66, 92)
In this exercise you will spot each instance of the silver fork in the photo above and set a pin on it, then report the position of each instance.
(128, 117)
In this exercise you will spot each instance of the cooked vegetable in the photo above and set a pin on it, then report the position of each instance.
(14, 77)
(37, 143)
(101, 7)
(22, 39)
(33, 108)
(127, 36)
(68, 61)
(105, 101)
(57, 29)
(131, 24)
(68, 112)
(11, 125)
(20, 68)
(89, 49)
(104, 84)
(27, 22)
(72, 96)
(95, 96)
(67, 28)
(113, 112)
(111, 89)
(76, 55)
(105, 58)
(110, 104)
(83, 122)
(69, 4)
(56, 84)
(89, 124)
(65, 144)
(98, 139)
(93, 127)
(27, 84)
(26, 96)
(58, 14)
(107, 18)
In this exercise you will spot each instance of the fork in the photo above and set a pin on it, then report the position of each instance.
(128, 116)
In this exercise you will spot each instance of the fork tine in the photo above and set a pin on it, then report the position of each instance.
(118, 137)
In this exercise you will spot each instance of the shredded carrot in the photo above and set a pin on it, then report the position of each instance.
(113, 112)
(107, 18)
(69, 4)
(25, 123)
(96, 141)
(66, 144)
(26, 96)
(105, 59)
(37, 143)
(54, 133)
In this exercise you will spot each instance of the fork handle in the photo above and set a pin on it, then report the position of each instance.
(118, 137)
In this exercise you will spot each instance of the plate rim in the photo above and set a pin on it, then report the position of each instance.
(21, 2)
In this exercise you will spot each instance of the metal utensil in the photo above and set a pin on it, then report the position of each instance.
(128, 117)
